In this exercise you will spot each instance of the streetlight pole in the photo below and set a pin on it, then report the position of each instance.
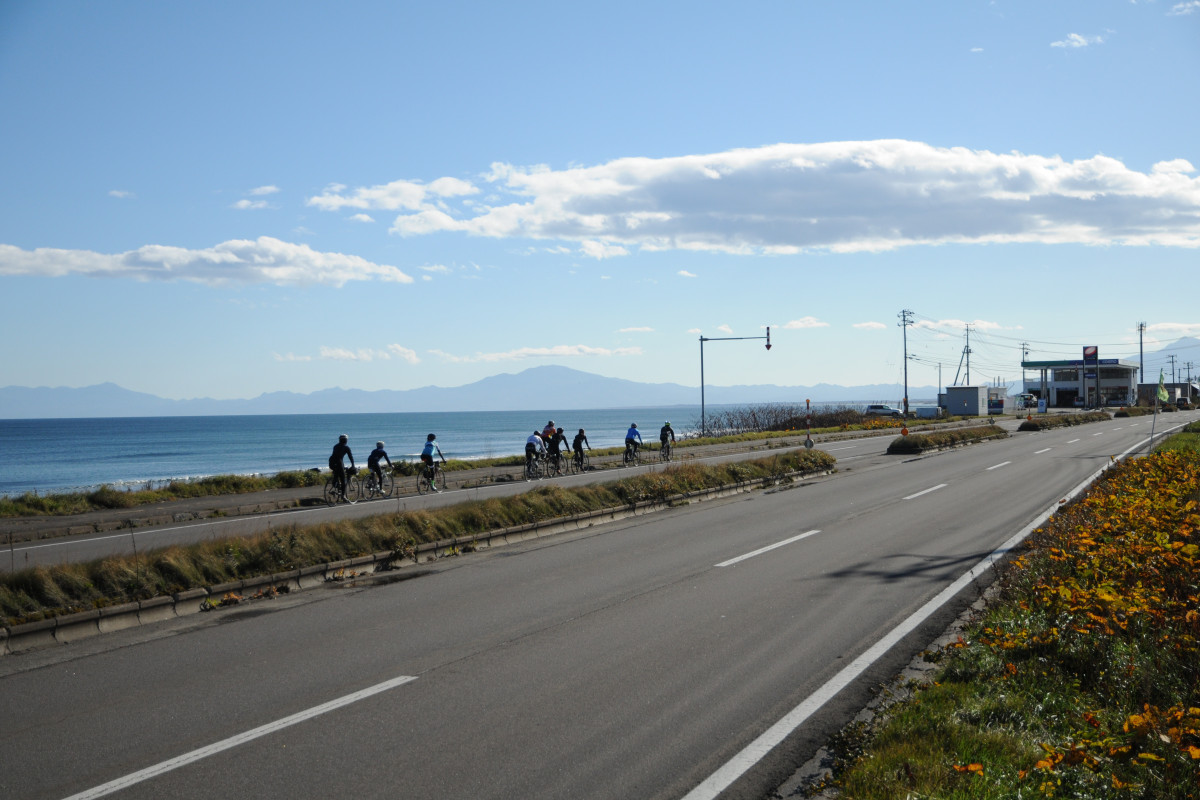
(703, 339)
(906, 319)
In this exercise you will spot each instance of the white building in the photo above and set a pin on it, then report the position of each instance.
(1070, 384)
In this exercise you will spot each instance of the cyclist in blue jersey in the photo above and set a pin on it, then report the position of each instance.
(431, 447)
(633, 439)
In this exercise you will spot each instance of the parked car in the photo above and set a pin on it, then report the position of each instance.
(877, 410)
(1184, 404)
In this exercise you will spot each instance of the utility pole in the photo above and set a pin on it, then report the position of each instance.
(1141, 352)
(1024, 358)
(906, 319)
(1172, 357)
(967, 353)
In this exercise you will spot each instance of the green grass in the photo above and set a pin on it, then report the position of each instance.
(65, 503)
(1187, 439)
(52, 591)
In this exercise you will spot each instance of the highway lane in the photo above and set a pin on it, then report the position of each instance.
(86, 547)
(618, 662)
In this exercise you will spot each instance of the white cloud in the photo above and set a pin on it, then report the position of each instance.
(403, 353)
(694, 330)
(264, 190)
(244, 204)
(369, 354)
(976, 49)
(790, 198)
(959, 325)
(724, 329)
(871, 326)
(684, 273)
(558, 351)
(120, 193)
(1174, 330)
(362, 218)
(600, 250)
(636, 330)
(290, 357)
(804, 322)
(1076, 40)
(439, 268)
(408, 195)
(1181, 9)
(262, 260)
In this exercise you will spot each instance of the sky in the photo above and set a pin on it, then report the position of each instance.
(223, 199)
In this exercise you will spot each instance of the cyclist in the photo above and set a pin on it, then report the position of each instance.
(337, 463)
(534, 445)
(557, 442)
(427, 452)
(666, 431)
(633, 439)
(373, 462)
(548, 432)
(577, 446)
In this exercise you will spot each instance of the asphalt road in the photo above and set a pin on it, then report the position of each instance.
(637, 659)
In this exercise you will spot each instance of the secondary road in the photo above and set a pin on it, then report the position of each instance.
(639, 659)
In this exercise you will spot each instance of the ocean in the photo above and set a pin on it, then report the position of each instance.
(62, 455)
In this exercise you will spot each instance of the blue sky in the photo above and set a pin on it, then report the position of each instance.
(222, 199)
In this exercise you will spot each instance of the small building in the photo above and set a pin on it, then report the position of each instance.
(965, 401)
(1074, 384)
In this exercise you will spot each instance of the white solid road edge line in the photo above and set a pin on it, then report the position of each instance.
(767, 741)
(769, 547)
(241, 738)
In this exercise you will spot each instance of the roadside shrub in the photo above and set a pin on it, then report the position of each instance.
(922, 442)
(1043, 423)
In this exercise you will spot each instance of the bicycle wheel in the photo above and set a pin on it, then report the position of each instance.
(354, 489)
(627, 459)
(558, 465)
(387, 486)
(423, 484)
(585, 463)
(330, 494)
(439, 481)
(664, 453)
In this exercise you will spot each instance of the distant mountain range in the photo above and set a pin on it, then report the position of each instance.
(549, 387)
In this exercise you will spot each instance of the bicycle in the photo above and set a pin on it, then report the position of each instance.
(557, 464)
(430, 479)
(579, 463)
(350, 493)
(633, 456)
(535, 467)
(373, 488)
(664, 452)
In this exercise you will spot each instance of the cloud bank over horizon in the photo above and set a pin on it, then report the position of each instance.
(787, 198)
(262, 260)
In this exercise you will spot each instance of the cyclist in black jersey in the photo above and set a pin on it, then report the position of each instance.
(373, 462)
(337, 462)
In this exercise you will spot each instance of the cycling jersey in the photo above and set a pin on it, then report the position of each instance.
(340, 451)
(377, 454)
(633, 433)
(534, 443)
(557, 441)
(430, 448)
(666, 431)
(580, 441)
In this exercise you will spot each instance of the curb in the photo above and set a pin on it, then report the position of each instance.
(68, 628)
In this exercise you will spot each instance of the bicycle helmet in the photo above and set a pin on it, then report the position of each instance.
(581, 430)
(379, 444)
(634, 425)
(343, 438)
(560, 430)
(431, 437)
(667, 423)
